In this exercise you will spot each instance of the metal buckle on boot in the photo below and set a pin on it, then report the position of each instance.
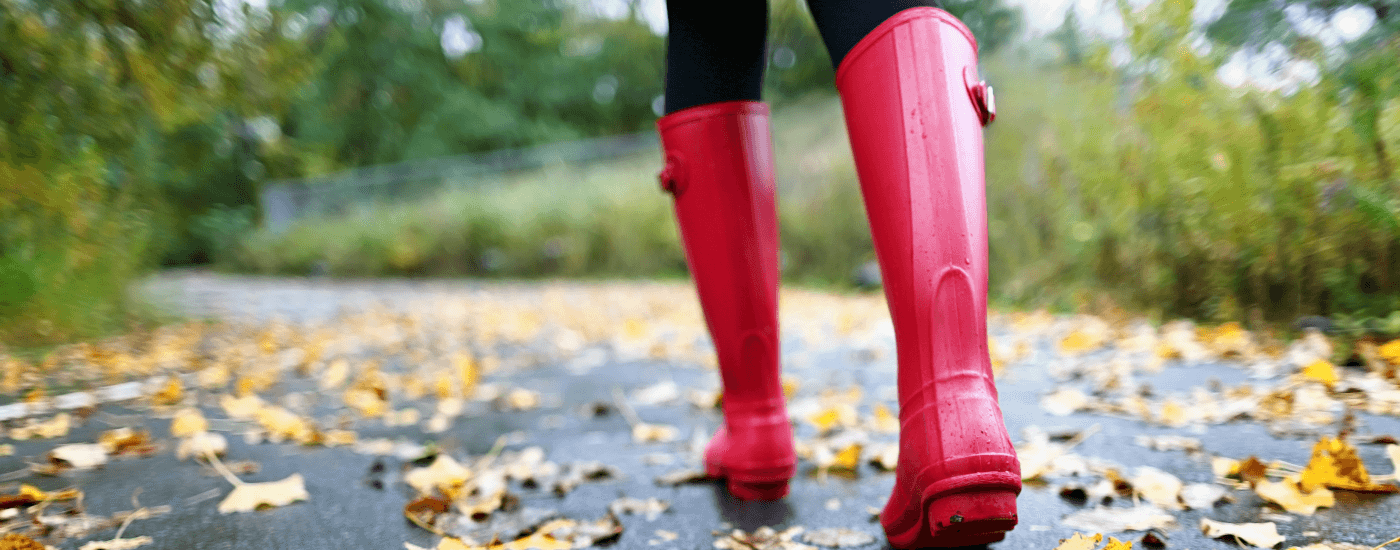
(672, 175)
(983, 99)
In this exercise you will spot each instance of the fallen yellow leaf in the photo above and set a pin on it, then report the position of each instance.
(1390, 351)
(1321, 371)
(886, 421)
(847, 458)
(1287, 495)
(1262, 535)
(247, 497)
(444, 474)
(187, 422)
(171, 393)
(1334, 464)
(1080, 542)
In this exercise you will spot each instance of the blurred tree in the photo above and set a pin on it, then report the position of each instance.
(1070, 37)
(1366, 64)
(993, 22)
(1259, 22)
(93, 94)
(417, 79)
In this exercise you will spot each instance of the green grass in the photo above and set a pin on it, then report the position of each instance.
(603, 219)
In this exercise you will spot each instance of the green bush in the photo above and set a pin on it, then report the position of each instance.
(1158, 184)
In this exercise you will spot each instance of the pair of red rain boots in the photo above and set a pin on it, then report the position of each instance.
(914, 109)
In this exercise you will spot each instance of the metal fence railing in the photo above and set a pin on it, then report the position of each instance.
(285, 201)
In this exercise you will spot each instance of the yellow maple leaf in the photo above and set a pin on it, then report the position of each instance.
(1390, 351)
(1334, 465)
(829, 418)
(187, 422)
(1321, 371)
(1080, 542)
(1115, 544)
(171, 393)
(847, 458)
(1078, 342)
(886, 421)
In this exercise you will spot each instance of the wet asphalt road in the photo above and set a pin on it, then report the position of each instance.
(348, 510)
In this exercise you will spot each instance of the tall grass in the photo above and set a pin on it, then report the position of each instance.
(606, 219)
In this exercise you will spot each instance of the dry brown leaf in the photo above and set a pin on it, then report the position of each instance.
(16, 541)
(425, 510)
(247, 497)
(1291, 498)
(1262, 535)
(187, 422)
(125, 441)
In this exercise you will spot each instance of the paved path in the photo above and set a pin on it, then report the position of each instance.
(353, 505)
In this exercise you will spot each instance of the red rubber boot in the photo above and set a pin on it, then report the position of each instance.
(719, 167)
(915, 108)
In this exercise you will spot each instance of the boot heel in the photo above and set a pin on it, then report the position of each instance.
(960, 519)
(752, 490)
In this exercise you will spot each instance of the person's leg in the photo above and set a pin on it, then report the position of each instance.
(843, 23)
(719, 167)
(715, 51)
(914, 110)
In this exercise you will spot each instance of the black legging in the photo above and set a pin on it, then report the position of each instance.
(716, 49)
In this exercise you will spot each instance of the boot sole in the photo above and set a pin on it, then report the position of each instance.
(754, 484)
(960, 519)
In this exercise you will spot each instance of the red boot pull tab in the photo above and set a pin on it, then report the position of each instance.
(982, 97)
(671, 176)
